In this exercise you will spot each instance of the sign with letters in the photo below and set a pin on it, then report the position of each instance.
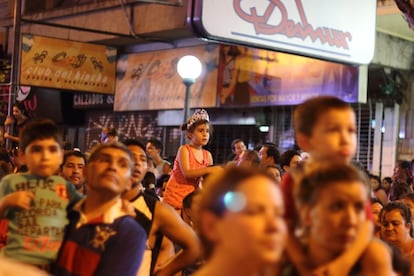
(63, 64)
(341, 30)
(149, 80)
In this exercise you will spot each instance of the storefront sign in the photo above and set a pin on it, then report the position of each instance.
(148, 81)
(63, 64)
(92, 100)
(254, 77)
(341, 30)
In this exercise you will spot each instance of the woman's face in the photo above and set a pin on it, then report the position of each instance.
(376, 210)
(400, 174)
(394, 228)
(336, 216)
(374, 183)
(255, 231)
(386, 185)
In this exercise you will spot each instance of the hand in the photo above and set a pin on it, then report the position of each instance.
(6, 135)
(22, 200)
(9, 120)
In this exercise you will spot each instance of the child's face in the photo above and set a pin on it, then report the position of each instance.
(333, 136)
(335, 218)
(109, 172)
(200, 135)
(43, 157)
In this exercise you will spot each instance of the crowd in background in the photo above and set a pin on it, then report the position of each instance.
(123, 209)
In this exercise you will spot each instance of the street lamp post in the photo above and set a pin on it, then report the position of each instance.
(189, 69)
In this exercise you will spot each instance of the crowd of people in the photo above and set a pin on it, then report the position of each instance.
(122, 209)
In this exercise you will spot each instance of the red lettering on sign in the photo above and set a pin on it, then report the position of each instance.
(289, 27)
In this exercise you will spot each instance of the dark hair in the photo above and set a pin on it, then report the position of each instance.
(378, 179)
(149, 180)
(405, 167)
(287, 156)
(21, 107)
(75, 153)
(272, 151)
(376, 200)
(402, 208)
(4, 155)
(135, 142)
(315, 177)
(308, 113)
(112, 131)
(161, 180)
(38, 129)
(253, 156)
(235, 141)
(156, 143)
(387, 179)
(399, 190)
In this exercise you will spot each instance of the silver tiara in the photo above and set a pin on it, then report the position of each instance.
(199, 115)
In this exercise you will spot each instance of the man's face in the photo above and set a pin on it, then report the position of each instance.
(152, 151)
(140, 164)
(42, 157)
(109, 172)
(239, 148)
(264, 159)
(72, 170)
(394, 228)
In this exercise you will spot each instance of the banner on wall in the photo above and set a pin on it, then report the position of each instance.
(254, 77)
(149, 81)
(63, 64)
(341, 30)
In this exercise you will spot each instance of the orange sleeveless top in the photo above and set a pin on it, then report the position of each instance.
(178, 186)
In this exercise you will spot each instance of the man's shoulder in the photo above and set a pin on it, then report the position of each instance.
(127, 224)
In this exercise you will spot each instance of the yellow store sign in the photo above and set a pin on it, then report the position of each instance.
(63, 64)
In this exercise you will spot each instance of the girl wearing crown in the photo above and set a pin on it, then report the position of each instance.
(192, 161)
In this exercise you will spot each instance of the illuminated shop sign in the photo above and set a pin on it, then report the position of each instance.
(64, 64)
(341, 30)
